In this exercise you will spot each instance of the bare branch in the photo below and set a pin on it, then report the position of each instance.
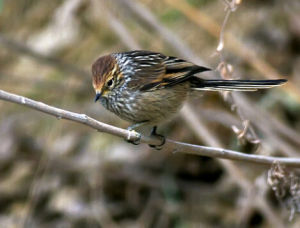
(130, 135)
(45, 59)
(145, 17)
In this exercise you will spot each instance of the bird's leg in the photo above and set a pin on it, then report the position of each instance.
(136, 125)
(131, 128)
(163, 139)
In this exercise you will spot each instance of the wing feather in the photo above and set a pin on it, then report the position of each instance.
(151, 70)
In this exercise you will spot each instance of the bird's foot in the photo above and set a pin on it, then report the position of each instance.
(163, 139)
(131, 129)
(136, 141)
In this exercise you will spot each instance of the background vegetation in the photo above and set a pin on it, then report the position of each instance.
(54, 173)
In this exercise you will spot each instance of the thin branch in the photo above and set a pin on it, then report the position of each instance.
(261, 122)
(145, 17)
(221, 40)
(45, 59)
(247, 133)
(130, 135)
(115, 24)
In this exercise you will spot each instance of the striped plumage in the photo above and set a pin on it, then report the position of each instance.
(148, 87)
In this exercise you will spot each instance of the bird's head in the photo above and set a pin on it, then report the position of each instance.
(106, 73)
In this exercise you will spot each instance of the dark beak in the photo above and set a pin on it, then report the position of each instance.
(98, 95)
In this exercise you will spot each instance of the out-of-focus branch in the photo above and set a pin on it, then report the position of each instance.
(116, 25)
(261, 121)
(146, 17)
(48, 60)
(206, 22)
(130, 135)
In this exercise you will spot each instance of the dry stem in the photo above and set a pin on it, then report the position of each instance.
(130, 135)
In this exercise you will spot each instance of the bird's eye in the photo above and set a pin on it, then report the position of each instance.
(109, 82)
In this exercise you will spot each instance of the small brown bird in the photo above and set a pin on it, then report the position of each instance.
(146, 87)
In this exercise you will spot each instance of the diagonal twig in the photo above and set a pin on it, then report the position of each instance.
(129, 135)
(42, 58)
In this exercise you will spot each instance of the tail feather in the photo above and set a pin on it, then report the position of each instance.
(234, 85)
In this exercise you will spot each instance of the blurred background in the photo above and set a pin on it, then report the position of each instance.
(55, 173)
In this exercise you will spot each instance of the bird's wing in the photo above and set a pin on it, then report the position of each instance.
(141, 67)
(151, 70)
(176, 71)
(179, 70)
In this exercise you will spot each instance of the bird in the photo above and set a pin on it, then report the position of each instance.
(149, 88)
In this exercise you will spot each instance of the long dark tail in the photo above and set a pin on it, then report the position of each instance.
(234, 85)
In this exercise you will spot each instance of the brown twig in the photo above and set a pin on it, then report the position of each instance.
(130, 135)
(225, 69)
